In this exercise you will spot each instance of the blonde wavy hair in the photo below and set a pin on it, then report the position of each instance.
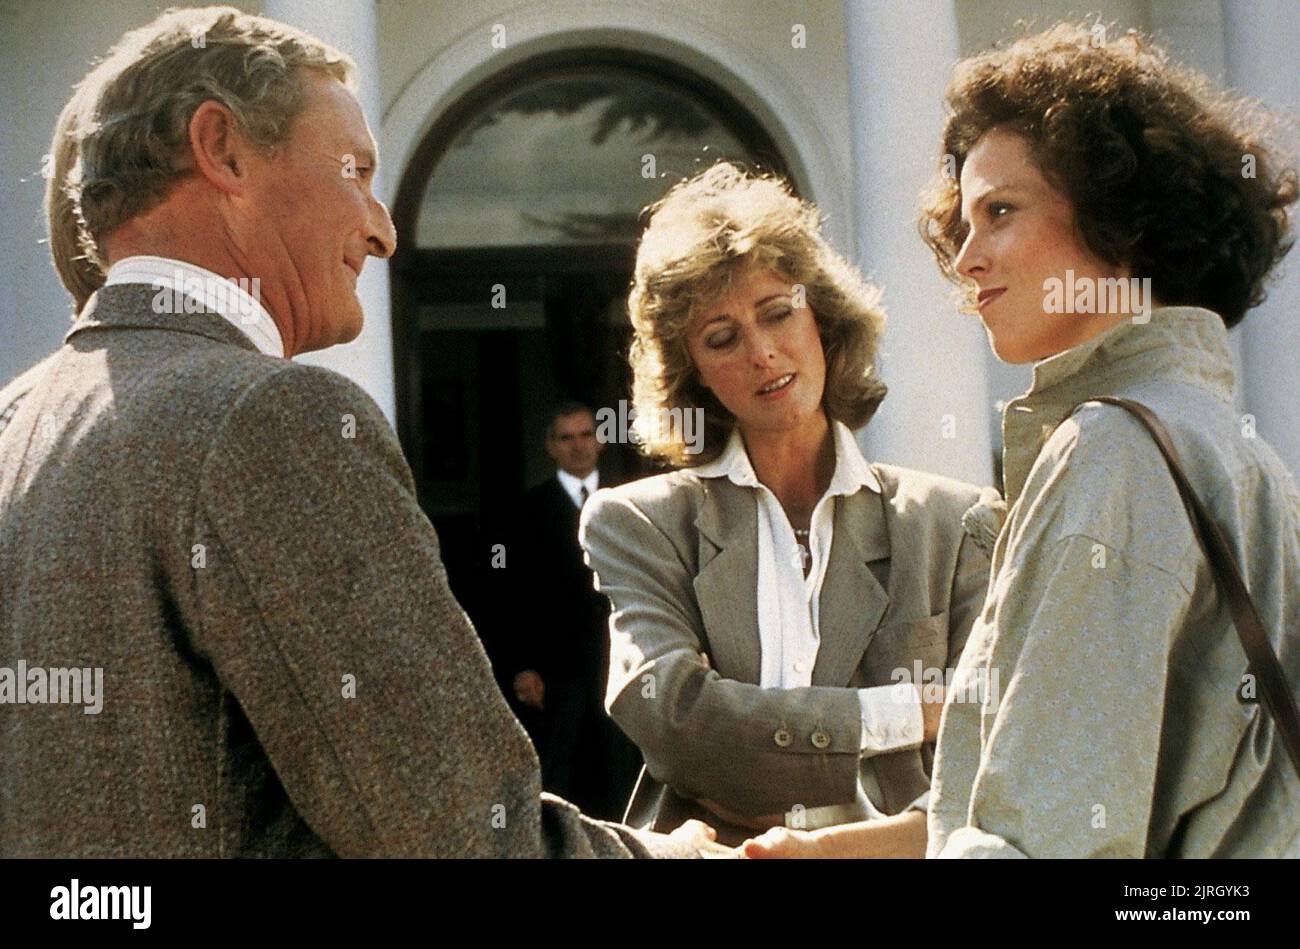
(123, 138)
(706, 232)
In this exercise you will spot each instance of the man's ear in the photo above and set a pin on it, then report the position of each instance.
(221, 154)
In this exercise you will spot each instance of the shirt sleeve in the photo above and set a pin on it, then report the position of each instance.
(971, 843)
(1082, 638)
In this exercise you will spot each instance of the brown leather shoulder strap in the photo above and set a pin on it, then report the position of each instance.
(1274, 689)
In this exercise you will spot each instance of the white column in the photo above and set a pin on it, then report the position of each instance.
(351, 26)
(935, 361)
(1261, 41)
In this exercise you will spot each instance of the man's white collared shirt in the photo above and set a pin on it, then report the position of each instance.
(176, 278)
(573, 485)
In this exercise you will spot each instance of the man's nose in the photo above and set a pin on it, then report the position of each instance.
(382, 236)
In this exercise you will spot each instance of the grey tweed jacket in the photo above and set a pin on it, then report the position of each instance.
(235, 541)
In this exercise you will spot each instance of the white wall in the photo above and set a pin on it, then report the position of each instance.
(1260, 60)
(433, 51)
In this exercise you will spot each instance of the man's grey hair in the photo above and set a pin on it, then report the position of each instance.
(122, 140)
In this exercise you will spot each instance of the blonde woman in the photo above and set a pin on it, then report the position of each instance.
(772, 597)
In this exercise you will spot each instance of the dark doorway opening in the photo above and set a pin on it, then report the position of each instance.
(517, 221)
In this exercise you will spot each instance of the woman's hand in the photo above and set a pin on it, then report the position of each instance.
(903, 835)
(697, 834)
(782, 843)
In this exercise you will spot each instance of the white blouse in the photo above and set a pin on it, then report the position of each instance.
(789, 606)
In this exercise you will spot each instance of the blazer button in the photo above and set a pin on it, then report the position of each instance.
(783, 737)
(820, 739)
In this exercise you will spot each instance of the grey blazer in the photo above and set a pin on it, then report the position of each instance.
(235, 541)
(677, 556)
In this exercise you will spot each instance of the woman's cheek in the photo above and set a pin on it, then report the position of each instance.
(727, 387)
(710, 376)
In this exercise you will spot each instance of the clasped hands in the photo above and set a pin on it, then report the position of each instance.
(902, 835)
(773, 840)
(776, 842)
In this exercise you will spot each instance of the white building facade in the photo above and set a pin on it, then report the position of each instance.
(848, 90)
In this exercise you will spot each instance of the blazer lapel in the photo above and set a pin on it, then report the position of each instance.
(726, 586)
(852, 599)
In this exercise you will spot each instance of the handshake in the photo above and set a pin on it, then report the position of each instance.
(778, 842)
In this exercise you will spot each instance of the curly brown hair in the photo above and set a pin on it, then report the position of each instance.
(1166, 174)
(706, 232)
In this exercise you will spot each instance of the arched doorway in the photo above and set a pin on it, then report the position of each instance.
(517, 219)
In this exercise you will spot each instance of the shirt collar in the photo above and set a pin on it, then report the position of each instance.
(1187, 341)
(1183, 344)
(574, 485)
(218, 294)
(852, 473)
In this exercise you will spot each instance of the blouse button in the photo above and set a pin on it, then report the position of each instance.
(820, 739)
(782, 737)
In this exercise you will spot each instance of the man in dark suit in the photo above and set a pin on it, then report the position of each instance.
(229, 541)
(560, 637)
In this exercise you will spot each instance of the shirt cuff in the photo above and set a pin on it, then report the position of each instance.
(971, 843)
(891, 718)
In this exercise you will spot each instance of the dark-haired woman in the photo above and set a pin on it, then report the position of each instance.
(1123, 725)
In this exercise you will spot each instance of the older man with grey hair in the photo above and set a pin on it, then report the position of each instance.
(230, 539)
